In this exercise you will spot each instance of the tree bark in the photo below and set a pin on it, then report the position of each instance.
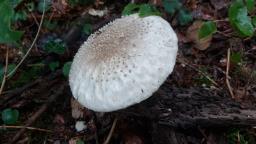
(193, 107)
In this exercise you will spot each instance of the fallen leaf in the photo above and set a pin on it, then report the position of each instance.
(132, 139)
(192, 35)
(99, 13)
(77, 109)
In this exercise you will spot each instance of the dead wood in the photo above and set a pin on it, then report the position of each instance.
(192, 108)
(54, 93)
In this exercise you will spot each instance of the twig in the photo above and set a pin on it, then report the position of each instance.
(227, 75)
(5, 70)
(111, 132)
(32, 45)
(32, 119)
(29, 128)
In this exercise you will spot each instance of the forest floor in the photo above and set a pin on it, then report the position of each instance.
(36, 103)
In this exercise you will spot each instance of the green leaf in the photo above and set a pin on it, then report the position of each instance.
(55, 46)
(147, 10)
(27, 75)
(54, 65)
(87, 29)
(44, 5)
(143, 10)
(79, 141)
(10, 116)
(254, 21)
(170, 6)
(250, 5)
(207, 29)
(50, 25)
(21, 15)
(184, 17)
(14, 3)
(66, 68)
(238, 18)
(30, 6)
(7, 35)
(236, 57)
(9, 69)
(130, 9)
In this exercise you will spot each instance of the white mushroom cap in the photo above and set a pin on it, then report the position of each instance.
(123, 63)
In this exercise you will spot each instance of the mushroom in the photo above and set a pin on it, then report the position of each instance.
(123, 63)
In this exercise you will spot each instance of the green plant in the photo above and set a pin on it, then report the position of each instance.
(66, 68)
(207, 29)
(50, 25)
(235, 137)
(55, 46)
(236, 57)
(26, 75)
(87, 29)
(9, 69)
(10, 116)
(239, 19)
(54, 65)
(172, 6)
(143, 10)
(79, 141)
(44, 5)
(7, 35)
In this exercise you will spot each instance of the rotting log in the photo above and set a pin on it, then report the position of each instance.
(193, 107)
(177, 115)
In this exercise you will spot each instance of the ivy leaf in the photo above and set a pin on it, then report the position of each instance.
(14, 3)
(7, 35)
(238, 17)
(9, 69)
(79, 141)
(250, 5)
(21, 15)
(254, 21)
(66, 68)
(236, 57)
(147, 10)
(184, 17)
(55, 46)
(87, 29)
(130, 9)
(44, 5)
(207, 29)
(170, 6)
(54, 65)
(10, 116)
(51, 25)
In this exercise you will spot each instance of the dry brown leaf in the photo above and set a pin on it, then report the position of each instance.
(77, 109)
(132, 139)
(192, 35)
(60, 6)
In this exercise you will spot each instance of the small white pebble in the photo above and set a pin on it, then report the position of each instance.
(80, 126)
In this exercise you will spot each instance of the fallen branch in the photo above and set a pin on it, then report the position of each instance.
(5, 71)
(42, 109)
(24, 127)
(227, 75)
(190, 108)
